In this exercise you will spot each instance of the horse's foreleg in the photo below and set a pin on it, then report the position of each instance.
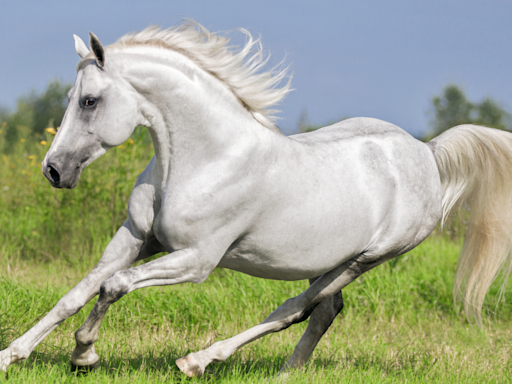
(320, 320)
(120, 254)
(178, 267)
(292, 311)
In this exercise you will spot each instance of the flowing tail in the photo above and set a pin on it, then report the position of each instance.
(475, 165)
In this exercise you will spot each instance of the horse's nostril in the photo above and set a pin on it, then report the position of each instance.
(54, 175)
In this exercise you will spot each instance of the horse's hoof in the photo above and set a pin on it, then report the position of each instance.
(83, 369)
(84, 359)
(190, 366)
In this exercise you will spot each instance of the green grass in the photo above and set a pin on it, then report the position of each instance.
(44, 223)
(398, 324)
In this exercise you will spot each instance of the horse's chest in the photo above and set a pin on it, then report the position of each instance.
(185, 220)
(143, 207)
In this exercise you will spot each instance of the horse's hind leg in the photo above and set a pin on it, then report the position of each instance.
(319, 321)
(292, 311)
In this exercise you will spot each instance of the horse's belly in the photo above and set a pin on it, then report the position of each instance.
(269, 264)
(303, 246)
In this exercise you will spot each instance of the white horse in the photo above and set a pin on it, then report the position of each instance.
(226, 189)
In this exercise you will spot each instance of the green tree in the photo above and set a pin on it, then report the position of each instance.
(450, 109)
(453, 108)
(34, 113)
(491, 114)
(4, 113)
(48, 106)
(19, 124)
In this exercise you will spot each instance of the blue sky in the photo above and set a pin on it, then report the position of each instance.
(383, 59)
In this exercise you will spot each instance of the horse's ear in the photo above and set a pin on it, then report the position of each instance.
(98, 50)
(80, 47)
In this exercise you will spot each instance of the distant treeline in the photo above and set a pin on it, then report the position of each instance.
(447, 110)
(452, 108)
(40, 110)
(34, 113)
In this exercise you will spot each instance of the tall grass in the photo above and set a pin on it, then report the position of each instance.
(398, 322)
(44, 223)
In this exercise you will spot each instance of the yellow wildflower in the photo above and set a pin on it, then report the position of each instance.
(31, 157)
(22, 140)
(57, 128)
(130, 141)
(43, 142)
(51, 130)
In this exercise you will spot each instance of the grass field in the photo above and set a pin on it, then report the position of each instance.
(398, 324)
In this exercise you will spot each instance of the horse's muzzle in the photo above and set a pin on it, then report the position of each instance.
(60, 179)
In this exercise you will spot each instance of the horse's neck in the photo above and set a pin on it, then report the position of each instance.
(194, 120)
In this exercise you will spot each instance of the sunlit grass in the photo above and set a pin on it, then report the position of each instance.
(398, 323)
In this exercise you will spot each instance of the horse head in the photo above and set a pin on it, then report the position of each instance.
(102, 113)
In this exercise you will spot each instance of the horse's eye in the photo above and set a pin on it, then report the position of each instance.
(89, 102)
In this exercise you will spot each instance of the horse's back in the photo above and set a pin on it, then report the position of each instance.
(350, 130)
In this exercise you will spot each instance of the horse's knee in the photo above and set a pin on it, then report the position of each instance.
(297, 315)
(114, 288)
(325, 313)
(304, 315)
(66, 308)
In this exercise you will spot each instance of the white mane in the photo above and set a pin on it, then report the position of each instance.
(239, 69)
